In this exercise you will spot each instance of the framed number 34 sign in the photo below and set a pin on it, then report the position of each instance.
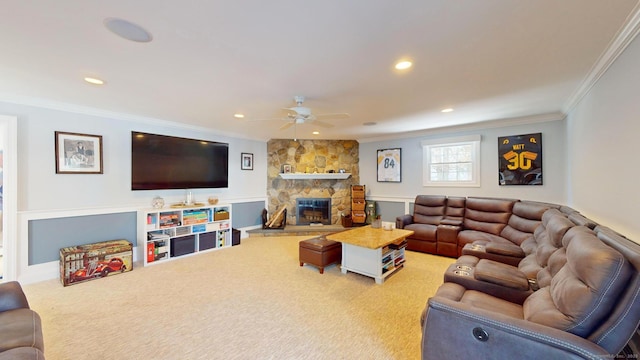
(389, 165)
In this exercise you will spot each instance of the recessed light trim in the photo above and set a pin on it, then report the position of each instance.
(370, 123)
(94, 81)
(127, 30)
(403, 65)
(447, 110)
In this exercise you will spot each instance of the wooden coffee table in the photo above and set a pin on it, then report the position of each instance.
(376, 253)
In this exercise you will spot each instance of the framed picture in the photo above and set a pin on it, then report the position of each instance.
(389, 165)
(520, 159)
(286, 168)
(246, 161)
(78, 153)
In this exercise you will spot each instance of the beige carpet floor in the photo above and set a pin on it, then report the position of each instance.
(251, 301)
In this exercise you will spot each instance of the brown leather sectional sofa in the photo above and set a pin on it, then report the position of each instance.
(20, 327)
(532, 280)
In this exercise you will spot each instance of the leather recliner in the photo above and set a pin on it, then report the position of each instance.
(20, 327)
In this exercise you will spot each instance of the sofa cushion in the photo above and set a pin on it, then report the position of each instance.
(549, 235)
(20, 328)
(429, 209)
(525, 218)
(487, 215)
(425, 232)
(508, 249)
(584, 290)
(478, 237)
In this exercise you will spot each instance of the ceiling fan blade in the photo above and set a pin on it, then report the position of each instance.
(322, 124)
(333, 116)
(286, 126)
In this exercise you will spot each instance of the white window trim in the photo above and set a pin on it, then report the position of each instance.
(460, 140)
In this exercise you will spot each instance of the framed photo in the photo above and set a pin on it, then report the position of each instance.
(78, 153)
(286, 168)
(246, 161)
(389, 165)
(520, 159)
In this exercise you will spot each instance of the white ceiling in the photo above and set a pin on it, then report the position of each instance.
(487, 59)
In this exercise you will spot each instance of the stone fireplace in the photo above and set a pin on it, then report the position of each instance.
(311, 157)
(313, 211)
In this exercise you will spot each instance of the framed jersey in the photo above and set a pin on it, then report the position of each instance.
(520, 159)
(389, 165)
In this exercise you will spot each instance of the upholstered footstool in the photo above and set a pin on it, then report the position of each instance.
(320, 252)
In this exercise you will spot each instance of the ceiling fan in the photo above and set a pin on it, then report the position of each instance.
(302, 115)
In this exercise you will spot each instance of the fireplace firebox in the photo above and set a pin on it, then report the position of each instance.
(313, 211)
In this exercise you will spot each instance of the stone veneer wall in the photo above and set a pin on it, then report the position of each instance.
(309, 156)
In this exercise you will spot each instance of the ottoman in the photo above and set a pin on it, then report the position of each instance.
(320, 252)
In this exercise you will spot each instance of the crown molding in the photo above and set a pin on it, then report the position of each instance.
(616, 47)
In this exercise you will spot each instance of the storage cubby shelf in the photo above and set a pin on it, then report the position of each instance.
(168, 233)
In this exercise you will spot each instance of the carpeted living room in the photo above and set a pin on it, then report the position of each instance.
(251, 301)
(314, 180)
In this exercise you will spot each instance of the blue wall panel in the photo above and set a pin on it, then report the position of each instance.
(48, 236)
(247, 214)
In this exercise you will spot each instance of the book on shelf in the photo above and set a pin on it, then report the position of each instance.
(158, 236)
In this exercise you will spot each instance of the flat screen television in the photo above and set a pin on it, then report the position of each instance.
(167, 162)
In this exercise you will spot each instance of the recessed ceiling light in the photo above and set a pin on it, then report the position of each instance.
(316, 133)
(94, 81)
(238, 116)
(446, 110)
(370, 123)
(127, 30)
(403, 65)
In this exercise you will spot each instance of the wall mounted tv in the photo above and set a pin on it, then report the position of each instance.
(167, 162)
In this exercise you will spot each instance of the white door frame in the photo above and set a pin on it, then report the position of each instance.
(9, 134)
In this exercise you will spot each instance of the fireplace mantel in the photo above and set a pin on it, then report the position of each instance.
(320, 176)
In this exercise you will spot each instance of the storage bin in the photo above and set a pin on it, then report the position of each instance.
(221, 215)
(207, 241)
(92, 261)
(235, 237)
(183, 245)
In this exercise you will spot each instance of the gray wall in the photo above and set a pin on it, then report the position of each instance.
(42, 189)
(554, 165)
(602, 147)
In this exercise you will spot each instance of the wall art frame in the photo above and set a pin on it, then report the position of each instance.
(520, 159)
(389, 165)
(246, 161)
(78, 153)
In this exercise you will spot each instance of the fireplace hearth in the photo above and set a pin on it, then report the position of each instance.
(313, 211)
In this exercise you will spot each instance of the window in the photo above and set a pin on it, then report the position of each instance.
(451, 162)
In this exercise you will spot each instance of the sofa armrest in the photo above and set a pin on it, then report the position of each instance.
(454, 330)
(404, 220)
(12, 297)
(505, 249)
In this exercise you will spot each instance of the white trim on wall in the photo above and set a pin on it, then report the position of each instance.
(9, 133)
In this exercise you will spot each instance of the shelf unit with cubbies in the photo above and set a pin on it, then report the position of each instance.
(358, 203)
(167, 233)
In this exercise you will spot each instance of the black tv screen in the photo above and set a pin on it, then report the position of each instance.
(167, 162)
